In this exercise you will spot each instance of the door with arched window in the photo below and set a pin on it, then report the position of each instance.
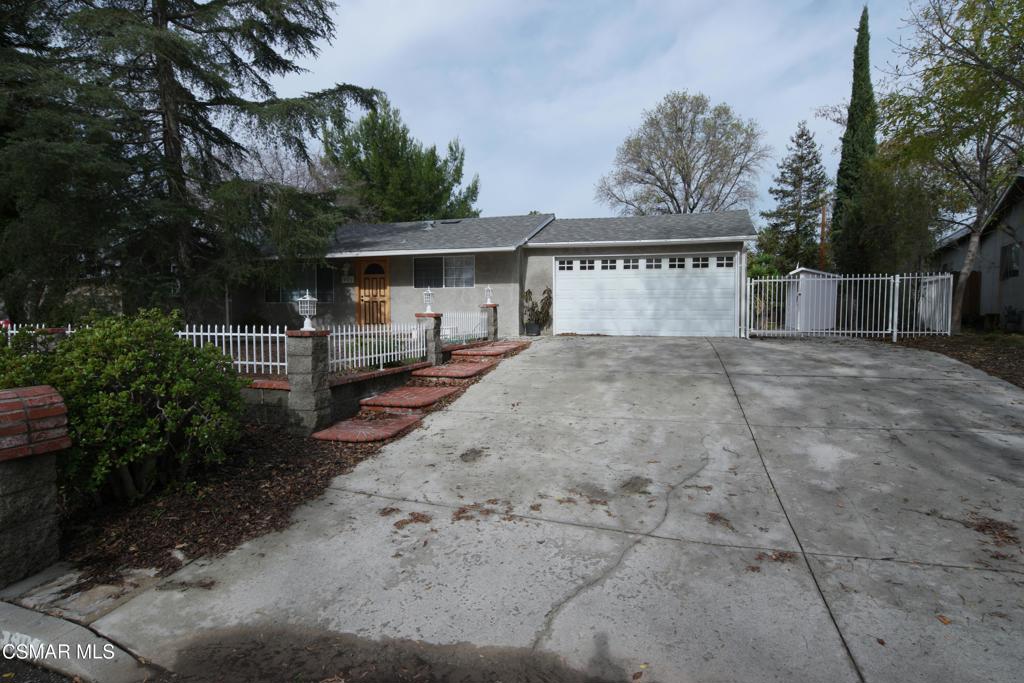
(373, 306)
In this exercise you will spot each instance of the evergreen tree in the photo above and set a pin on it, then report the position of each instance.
(800, 190)
(393, 177)
(187, 86)
(858, 146)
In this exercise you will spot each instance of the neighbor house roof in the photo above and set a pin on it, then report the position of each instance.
(721, 226)
(495, 233)
(1011, 196)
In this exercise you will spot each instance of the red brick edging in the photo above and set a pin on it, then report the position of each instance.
(33, 421)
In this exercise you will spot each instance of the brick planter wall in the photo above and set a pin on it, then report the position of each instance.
(33, 428)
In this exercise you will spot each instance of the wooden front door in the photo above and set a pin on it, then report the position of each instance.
(374, 292)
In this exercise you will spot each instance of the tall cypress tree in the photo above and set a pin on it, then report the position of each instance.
(800, 189)
(859, 145)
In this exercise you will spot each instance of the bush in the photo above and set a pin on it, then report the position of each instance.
(143, 405)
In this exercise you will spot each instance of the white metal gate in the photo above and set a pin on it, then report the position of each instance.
(820, 304)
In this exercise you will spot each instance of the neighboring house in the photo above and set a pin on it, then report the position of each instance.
(647, 275)
(996, 284)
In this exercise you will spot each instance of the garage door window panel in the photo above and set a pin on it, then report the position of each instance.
(651, 263)
(607, 264)
(700, 262)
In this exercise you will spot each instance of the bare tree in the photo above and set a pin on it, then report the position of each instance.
(687, 157)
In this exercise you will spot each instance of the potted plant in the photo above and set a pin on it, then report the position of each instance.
(536, 314)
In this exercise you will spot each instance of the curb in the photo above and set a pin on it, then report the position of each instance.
(65, 647)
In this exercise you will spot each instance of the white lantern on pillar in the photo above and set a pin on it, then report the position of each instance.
(488, 292)
(307, 309)
(428, 300)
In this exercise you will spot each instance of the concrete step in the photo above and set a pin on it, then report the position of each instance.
(362, 430)
(405, 400)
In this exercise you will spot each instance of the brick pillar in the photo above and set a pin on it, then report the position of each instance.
(492, 320)
(309, 395)
(432, 321)
(33, 427)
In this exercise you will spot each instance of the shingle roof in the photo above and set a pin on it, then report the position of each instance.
(493, 232)
(688, 226)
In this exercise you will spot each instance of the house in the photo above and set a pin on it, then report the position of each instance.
(645, 275)
(995, 286)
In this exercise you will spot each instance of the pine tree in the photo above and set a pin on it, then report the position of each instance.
(859, 145)
(800, 190)
(393, 177)
(187, 87)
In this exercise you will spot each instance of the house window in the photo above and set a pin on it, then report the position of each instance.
(317, 280)
(607, 264)
(723, 262)
(586, 264)
(676, 262)
(565, 264)
(631, 264)
(652, 263)
(699, 262)
(1009, 261)
(438, 272)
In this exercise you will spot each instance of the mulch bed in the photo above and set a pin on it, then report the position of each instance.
(999, 354)
(269, 474)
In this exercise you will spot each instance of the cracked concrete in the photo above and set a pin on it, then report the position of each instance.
(611, 459)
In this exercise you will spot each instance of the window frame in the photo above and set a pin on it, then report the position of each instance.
(1009, 261)
(564, 264)
(587, 264)
(444, 258)
(725, 261)
(298, 281)
(676, 262)
(631, 263)
(609, 263)
(700, 262)
(653, 262)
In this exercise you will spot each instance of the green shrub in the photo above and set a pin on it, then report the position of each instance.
(143, 405)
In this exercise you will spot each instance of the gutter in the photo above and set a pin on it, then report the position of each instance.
(415, 252)
(651, 243)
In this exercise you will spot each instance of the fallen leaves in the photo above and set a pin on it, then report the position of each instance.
(946, 621)
(413, 518)
(719, 519)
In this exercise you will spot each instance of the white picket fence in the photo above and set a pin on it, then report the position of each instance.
(461, 327)
(352, 347)
(255, 349)
(827, 305)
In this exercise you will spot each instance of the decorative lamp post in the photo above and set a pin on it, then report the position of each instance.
(488, 292)
(428, 300)
(307, 309)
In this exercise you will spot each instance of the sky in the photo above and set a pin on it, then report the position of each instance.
(541, 93)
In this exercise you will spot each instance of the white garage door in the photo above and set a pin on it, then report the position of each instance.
(670, 295)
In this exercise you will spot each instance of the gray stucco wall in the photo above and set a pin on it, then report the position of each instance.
(539, 262)
(500, 270)
(996, 294)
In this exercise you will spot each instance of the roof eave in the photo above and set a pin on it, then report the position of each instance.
(415, 252)
(646, 243)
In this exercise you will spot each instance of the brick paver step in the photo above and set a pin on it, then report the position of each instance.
(491, 350)
(359, 430)
(456, 370)
(408, 397)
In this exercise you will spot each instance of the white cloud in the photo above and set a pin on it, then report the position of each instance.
(542, 93)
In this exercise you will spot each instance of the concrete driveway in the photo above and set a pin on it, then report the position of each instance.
(689, 509)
